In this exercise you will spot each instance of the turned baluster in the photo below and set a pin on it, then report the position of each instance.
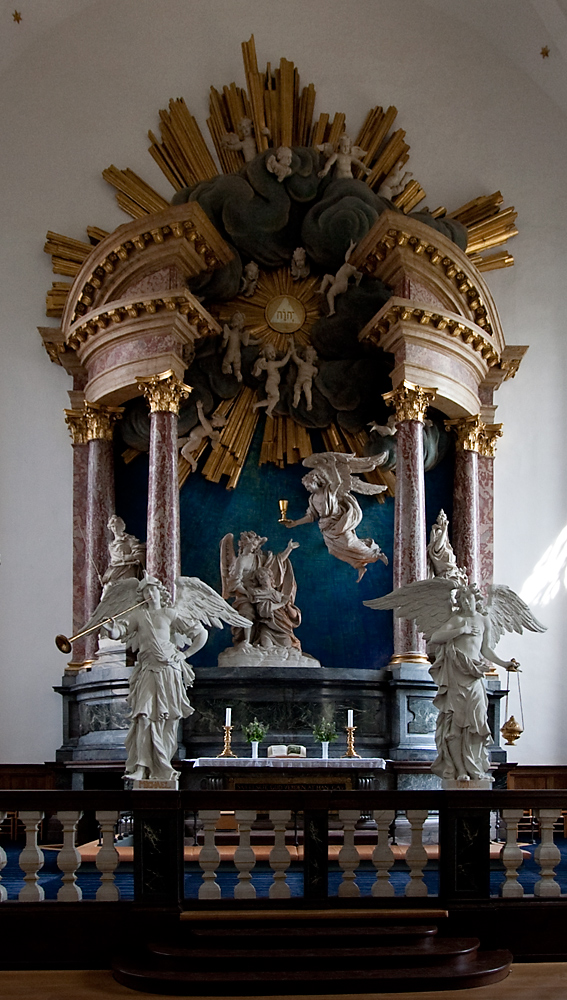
(31, 859)
(547, 855)
(280, 858)
(511, 855)
(349, 858)
(209, 857)
(383, 855)
(3, 861)
(69, 859)
(244, 857)
(107, 859)
(416, 856)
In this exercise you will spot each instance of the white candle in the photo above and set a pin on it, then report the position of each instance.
(350, 718)
(227, 716)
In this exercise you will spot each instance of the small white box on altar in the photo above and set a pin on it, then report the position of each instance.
(281, 750)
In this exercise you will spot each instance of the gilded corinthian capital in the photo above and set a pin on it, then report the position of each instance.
(468, 431)
(163, 392)
(488, 438)
(77, 424)
(100, 420)
(410, 401)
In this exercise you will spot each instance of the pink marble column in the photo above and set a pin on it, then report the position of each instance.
(466, 537)
(409, 564)
(164, 393)
(100, 504)
(163, 540)
(75, 420)
(486, 521)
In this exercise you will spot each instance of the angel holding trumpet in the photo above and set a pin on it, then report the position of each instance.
(462, 629)
(163, 634)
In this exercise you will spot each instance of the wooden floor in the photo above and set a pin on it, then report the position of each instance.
(542, 981)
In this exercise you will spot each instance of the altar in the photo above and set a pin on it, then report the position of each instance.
(286, 774)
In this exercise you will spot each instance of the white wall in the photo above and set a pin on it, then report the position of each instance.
(83, 95)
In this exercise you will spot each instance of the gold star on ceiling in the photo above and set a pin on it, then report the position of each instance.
(17, 16)
(545, 52)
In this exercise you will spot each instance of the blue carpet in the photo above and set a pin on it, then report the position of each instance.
(88, 877)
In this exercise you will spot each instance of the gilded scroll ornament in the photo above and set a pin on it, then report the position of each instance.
(410, 401)
(163, 392)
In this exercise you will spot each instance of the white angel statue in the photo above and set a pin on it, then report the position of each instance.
(163, 634)
(454, 618)
(331, 484)
(337, 284)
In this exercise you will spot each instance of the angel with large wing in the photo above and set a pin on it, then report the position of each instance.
(163, 635)
(331, 485)
(464, 628)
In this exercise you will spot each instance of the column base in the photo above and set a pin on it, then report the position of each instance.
(411, 657)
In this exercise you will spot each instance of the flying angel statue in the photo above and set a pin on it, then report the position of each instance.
(163, 634)
(331, 484)
(454, 617)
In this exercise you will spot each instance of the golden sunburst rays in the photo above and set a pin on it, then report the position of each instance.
(279, 309)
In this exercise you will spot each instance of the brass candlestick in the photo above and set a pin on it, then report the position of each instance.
(350, 751)
(283, 511)
(226, 751)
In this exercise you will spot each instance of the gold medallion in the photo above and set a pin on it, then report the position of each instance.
(285, 313)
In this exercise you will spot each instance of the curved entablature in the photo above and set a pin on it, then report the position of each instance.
(182, 237)
(401, 249)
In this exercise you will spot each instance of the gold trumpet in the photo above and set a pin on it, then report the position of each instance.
(64, 644)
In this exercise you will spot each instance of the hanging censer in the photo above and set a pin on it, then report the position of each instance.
(512, 730)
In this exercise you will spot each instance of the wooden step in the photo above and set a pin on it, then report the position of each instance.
(376, 932)
(481, 970)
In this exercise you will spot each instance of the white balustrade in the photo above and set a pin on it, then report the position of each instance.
(416, 856)
(209, 857)
(107, 859)
(349, 858)
(547, 855)
(69, 859)
(31, 858)
(511, 856)
(3, 861)
(244, 857)
(280, 858)
(383, 855)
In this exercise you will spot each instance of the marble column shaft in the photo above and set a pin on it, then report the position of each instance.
(486, 520)
(466, 513)
(80, 494)
(409, 527)
(100, 505)
(163, 538)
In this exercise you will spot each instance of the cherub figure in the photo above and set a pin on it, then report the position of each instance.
(306, 372)
(234, 338)
(394, 183)
(163, 634)
(280, 163)
(344, 156)
(206, 428)
(127, 554)
(331, 484)
(299, 264)
(244, 142)
(249, 279)
(338, 283)
(454, 618)
(267, 362)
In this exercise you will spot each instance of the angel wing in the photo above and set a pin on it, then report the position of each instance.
(325, 462)
(339, 466)
(358, 152)
(196, 601)
(227, 561)
(509, 613)
(118, 597)
(427, 602)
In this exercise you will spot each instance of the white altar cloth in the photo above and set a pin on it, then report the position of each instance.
(309, 762)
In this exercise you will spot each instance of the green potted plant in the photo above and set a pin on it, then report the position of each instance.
(325, 732)
(254, 733)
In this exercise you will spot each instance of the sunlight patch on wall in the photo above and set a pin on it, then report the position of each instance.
(549, 574)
